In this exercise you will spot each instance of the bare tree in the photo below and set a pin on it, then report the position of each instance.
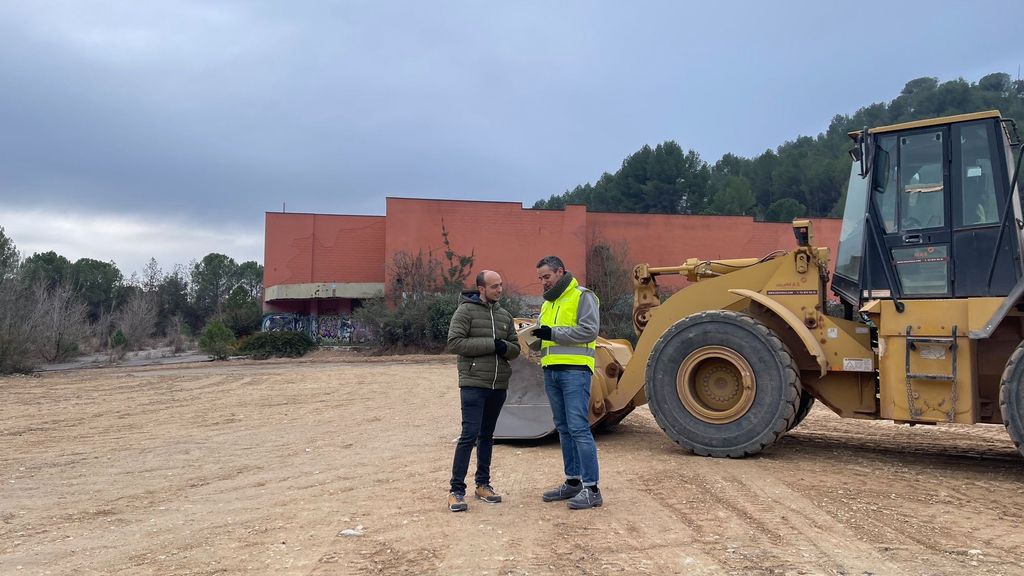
(176, 335)
(19, 328)
(63, 322)
(414, 277)
(609, 275)
(136, 318)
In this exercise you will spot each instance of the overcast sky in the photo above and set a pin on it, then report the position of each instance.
(152, 128)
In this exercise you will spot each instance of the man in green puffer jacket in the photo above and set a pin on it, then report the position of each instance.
(483, 334)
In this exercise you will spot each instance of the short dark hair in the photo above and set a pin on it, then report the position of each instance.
(552, 262)
(480, 279)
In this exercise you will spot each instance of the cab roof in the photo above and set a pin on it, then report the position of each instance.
(929, 122)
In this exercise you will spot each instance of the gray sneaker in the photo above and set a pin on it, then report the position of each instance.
(587, 498)
(563, 492)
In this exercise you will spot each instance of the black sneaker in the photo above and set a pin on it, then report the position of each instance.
(563, 492)
(487, 494)
(457, 502)
(587, 498)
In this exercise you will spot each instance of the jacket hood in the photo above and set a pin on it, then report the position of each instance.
(471, 296)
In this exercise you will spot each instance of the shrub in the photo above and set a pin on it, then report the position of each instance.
(217, 340)
(405, 325)
(242, 313)
(836, 309)
(439, 316)
(419, 324)
(617, 320)
(514, 303)
(369, 317)
(117, 346)
(263, 345)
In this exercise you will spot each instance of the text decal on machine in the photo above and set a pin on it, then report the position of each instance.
(858, 365)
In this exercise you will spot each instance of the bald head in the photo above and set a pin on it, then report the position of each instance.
(488, 282)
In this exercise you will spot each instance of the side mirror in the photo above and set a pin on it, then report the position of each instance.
(858, 152)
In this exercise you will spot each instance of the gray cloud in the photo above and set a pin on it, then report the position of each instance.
(211, 113)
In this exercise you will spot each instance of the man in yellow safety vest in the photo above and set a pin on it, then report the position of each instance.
(569, 322)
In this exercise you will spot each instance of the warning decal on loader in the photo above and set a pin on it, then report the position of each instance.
(858, 365)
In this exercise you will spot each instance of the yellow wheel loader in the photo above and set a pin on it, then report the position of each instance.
(930, 284)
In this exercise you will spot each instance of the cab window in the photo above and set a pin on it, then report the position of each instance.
(922, 203)
(851, 238)
(978, 205)
(883, 182)
(923, 270)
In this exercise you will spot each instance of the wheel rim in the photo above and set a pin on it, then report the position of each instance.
(716, 384)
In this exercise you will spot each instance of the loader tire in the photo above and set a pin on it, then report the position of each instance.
(722, 384)
(1011, 397)
(803, 409)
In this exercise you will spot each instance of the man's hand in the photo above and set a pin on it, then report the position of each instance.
(544, 333)
(500, 347)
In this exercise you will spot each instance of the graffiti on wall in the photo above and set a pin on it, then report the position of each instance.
(326, 330)
(284, 323)
(332, 329)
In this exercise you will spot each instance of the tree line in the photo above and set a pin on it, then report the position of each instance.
(802, 177)
(52, 309)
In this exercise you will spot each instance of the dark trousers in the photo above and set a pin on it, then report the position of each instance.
(480, 409)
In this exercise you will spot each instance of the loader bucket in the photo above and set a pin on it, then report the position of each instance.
(527, 414)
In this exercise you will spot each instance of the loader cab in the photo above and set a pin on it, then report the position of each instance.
(924, 215)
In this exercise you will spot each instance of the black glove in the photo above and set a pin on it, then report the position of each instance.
(500, 347)
(544, 333)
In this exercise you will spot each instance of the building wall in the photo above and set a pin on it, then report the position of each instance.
(304, 248)
(509, 239)
(669, 240)
(315, 307)
(307, 248)
(503, 236)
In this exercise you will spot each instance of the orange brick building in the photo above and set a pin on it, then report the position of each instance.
(320, 265)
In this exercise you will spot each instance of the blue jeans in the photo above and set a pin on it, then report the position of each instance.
(569, 395)
(480, 409)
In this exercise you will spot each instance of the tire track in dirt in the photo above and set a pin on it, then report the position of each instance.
(378, 556)
(761, 497)
(941, 505)
(754, 524)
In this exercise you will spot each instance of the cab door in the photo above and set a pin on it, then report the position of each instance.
(910, 192)
(980, 193)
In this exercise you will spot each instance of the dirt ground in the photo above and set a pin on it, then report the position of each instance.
(247, 467)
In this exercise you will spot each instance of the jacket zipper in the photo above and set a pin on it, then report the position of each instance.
(494, 335)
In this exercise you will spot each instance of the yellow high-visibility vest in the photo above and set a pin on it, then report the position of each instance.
(562, 312)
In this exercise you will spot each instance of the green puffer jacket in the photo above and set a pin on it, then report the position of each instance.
(471, 335)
